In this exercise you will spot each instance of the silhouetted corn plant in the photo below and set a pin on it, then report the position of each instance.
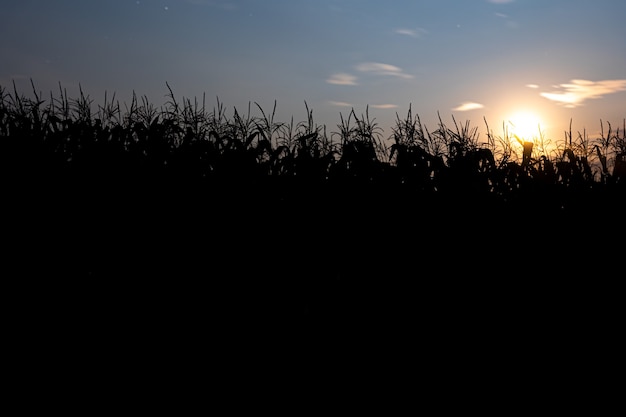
(361, 147)
(415, 154)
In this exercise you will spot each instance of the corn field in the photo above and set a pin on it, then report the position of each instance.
(184, 160)
(184, 205)
(188, 141)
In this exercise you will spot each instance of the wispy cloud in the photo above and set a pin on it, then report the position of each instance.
(384, 106)
(574, 93)
(467, 106)
(378, 68)
(413, 33)
(340, 103)
(533, 86)
(341, 78)
(375, 68)
(500, 1)
(510, 23)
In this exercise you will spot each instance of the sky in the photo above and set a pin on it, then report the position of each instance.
(557, 61)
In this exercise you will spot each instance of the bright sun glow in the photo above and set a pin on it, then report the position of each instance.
(526, 125)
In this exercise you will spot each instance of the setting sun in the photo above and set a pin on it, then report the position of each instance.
(525, 124)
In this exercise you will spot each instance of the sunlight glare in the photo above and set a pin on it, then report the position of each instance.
(525, 124)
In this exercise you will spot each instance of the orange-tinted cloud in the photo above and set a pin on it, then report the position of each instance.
(467, 106)
(576, 92)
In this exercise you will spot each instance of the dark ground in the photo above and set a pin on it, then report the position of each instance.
(155, 294)
(314, 250)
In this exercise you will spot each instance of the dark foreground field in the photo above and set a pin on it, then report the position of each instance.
(323, 290)
(297, 251)
(166, 241)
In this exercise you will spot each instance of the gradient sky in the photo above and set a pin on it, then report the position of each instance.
(471, 59)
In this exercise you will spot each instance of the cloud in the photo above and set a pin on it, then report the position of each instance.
(500, 1)
(532, 86)
(340, 103)
(467, 106)
(510, 23)
(414, 33)
(384, 106)
(342, 78)
(576, 92)
(378, 68)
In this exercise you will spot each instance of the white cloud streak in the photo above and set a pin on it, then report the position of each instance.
(500, 1)
(384, 106)
(467, 106)
(378, 68)
(374, 68)
(413, 33)
(342, 78)
(576, 92)
(340, 103)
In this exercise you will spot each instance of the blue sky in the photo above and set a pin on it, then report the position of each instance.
(469, 59)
